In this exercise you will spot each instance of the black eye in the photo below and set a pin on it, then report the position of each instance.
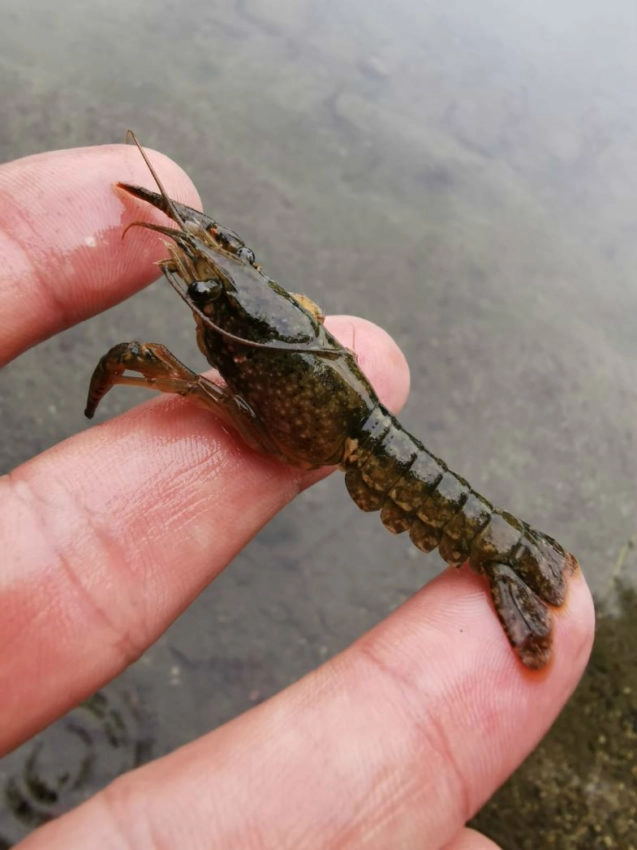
(246, 254)
(203, 291)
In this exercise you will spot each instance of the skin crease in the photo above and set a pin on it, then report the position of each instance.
(395, 742)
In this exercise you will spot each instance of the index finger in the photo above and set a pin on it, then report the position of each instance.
(61, 223)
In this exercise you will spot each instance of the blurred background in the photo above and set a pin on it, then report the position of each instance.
(464, 175)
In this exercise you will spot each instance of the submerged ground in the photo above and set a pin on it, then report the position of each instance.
(466, 178)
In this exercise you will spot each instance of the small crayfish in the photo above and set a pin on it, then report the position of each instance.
(291, 389)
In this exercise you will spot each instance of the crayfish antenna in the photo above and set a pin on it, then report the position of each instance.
(130, 136)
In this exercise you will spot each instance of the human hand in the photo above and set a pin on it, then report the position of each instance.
(395, 743)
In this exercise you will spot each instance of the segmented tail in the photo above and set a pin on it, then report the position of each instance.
(387, 469)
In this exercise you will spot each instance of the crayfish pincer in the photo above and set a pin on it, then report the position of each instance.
(291, 389)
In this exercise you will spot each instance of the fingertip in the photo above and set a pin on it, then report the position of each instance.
(574, 625)
(379, 357)
(470, 839)
(447, 643)
(60, 213)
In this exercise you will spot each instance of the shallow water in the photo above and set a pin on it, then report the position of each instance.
(465, 176)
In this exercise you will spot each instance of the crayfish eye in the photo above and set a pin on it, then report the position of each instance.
(203, 291)
(246, 254)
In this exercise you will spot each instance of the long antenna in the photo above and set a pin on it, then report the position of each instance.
(130, 136)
